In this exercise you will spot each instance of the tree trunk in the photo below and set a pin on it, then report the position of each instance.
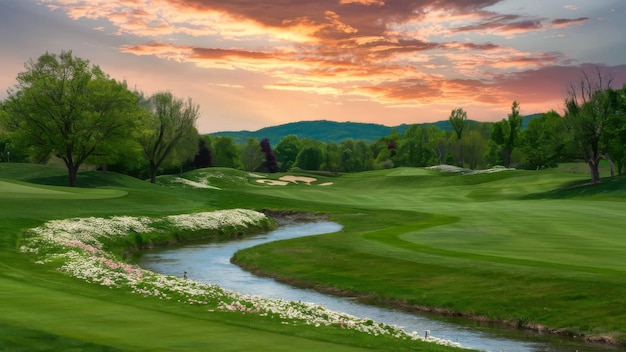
(153, 173)
(594, 168)
(507, 158)
(459, 154)
(612, 165)
(72, 169)
(154, 168)
(73, 175)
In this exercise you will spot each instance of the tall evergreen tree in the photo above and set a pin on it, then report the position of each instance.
(270, 159)
(506, 133)
(203, 158)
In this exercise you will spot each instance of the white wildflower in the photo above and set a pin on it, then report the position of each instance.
(77, 244)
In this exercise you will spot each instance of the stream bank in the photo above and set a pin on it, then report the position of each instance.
(210, 263)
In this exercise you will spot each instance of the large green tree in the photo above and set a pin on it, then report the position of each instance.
(475, 145)
(251, 154)
(385, 150)
(355, 156)
(617, 130)
(506, 133)
(311, 156)
(63, 106)
(458, 121)
(415, 148)
(332, 158)
(545, 140)
(287, 150)
(168, 130)
(225, 152)
(589, 109)
(442, 144)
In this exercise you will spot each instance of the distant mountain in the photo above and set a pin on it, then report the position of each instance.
(321, 130)
(331, 131)
(528, 118)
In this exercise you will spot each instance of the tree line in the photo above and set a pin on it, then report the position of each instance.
(64, 107)
(593, 127)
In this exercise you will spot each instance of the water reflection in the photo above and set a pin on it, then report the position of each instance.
(210, 263)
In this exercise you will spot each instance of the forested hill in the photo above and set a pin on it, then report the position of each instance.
(321, 130)
(330, 131)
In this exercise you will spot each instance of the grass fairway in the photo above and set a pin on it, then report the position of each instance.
(528, 248)
(15, 189)
(45, 310)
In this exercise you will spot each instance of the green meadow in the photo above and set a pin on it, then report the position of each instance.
(533, 249)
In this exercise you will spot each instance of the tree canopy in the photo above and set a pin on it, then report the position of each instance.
(591, 106)
(506, 133)
(168, 129)
(65, 107)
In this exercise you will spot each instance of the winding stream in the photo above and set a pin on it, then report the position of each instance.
(210, 263)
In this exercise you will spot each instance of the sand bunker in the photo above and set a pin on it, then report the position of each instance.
(273, 182)
(285, 180)
(296, 179)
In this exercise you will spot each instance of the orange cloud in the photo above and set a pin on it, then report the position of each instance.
(363, 2)
(409, 53)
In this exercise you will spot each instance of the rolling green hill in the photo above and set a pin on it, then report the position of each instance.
(331, 131)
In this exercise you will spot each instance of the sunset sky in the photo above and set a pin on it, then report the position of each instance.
(251, 64)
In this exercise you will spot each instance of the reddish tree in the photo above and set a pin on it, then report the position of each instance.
(270, 159)
(203, 158)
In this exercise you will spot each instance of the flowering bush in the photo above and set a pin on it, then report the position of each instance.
(77, 246)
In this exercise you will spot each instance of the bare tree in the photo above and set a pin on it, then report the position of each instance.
(588, 110)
